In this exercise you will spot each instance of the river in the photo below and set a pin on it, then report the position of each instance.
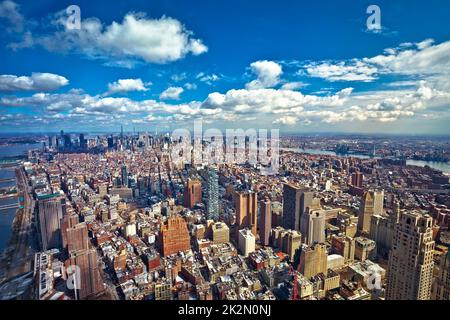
(442, 166)
(7, 172)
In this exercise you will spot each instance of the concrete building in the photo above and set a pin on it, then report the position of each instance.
(410, 269)
(246, 242)
(220, 232)
(382, 230)
(212, 204)
(344, 246)
(313, 260)
(295, 202)
(51, 208)
(364, 248)
(174, 236)
(312, 226)
(371, 204)
(441, 285)
(246, 204)
(265, 214)
(192, 193)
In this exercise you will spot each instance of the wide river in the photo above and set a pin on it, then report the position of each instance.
(442, 166)
(7, 215)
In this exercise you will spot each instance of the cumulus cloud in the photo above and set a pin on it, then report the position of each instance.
(171, 93)
(267, 74)
(36, 82)
(126, 85)
(136, 38)
(425, 60)
(9, 11)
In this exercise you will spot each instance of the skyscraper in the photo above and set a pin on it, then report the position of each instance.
(295, 202)
(192, 193)
(357, 179)
(77, 238)
(83, 143)
(410, 269)
(441, 286)
(246, 242)
(51, 210)
(265, 213)
(246, 205)
(174, 236)
(371, 204)
(313, 260)
(213, 194)
(124, 174)
(312, 226)
(87, 273)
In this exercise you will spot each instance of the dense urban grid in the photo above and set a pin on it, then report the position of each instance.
(114, 217)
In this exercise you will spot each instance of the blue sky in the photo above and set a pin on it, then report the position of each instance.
(301, 66)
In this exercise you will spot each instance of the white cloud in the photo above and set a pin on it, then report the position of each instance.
(355, 71)
(293, 85)
(267, 74)
(171, 93)
(126, 85)
(424, 60)
(136, 37)
(9, 11)
(36, 82)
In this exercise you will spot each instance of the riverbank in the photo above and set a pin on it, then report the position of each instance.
(441, 166)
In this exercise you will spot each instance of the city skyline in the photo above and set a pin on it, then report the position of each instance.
(298, 67)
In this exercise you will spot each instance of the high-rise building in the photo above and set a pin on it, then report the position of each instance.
(68, 221)
(213, 194)
(344, 246)
(83, 142)
(246, 241)
(51, 210)
(410, 269)
(441, 286)
(192, 193)
(357, 179)
(174, 236)
(87, 273)
(295, 202)
(382, 230)
(265, 214)
(371, 204)
(313, 260)
(312, 226)
(124, 176)
(246, 204)
(77, 238)
(67, 141)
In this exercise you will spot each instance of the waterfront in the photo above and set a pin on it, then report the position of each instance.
(442, 166)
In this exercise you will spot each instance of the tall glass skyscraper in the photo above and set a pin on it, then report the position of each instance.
(124, 176)
(213, 194)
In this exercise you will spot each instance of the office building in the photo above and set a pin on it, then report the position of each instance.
(371, 204)
(174, 236)
(51, 210)
(192, 193)
(87, 278)
(312, 226)
(295, 202)
(213, 194)
(124, 176)
(220, 232)
(246, 205)
(410, 269)
(246, 242)
(313, 260)
(265, 214)
(441, 285)
(344, 246)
